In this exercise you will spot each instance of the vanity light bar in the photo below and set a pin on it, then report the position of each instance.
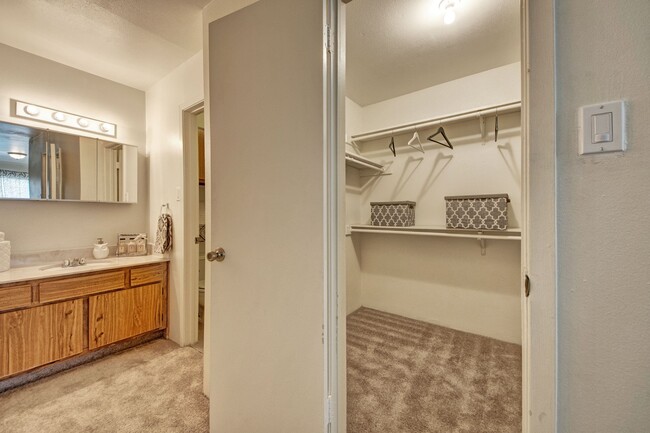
(62, 118)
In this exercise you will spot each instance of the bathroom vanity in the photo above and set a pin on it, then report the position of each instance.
(58, 315)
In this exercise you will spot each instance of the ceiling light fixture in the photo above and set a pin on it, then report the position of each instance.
(63, 118)
(17, 155)
(448, 9)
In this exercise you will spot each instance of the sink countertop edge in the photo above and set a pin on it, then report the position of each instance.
(31, 273)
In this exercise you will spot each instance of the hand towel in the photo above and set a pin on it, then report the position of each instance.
(164, 235)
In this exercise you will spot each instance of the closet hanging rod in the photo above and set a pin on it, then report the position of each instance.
(510, 107)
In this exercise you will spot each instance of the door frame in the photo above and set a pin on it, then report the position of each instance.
(538, 252)
(191, 222)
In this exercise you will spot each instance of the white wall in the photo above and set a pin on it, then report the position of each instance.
(603, 232)
(495, 86)
(442, 281)
(41, 226)
(166, 101)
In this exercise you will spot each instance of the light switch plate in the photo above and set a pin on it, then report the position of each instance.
(596, 136)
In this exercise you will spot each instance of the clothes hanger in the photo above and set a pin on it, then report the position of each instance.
(391, 146)
(496, 124)
(411, 143)
(441, 131)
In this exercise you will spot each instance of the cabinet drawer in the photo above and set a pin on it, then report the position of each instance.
(148, 275)
(80, 286)
(15, 297)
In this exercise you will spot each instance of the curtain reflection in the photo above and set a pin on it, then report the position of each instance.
(14, 184)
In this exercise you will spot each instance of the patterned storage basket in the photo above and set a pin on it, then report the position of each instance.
(392, 213)
(478, 212)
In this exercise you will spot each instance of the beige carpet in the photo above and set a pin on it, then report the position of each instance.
(156, 387)
(407, 376)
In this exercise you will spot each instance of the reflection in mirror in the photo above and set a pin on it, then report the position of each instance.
(117, 165)
(20, 174)
(37, 164)
(72, 168)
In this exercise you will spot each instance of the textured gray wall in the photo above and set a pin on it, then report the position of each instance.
(603, 54)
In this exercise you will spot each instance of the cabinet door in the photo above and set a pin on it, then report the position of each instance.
(119, 315)
(37, 336)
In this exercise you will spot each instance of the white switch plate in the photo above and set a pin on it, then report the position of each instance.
(591, 136)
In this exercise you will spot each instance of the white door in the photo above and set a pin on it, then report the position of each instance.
(267, 162)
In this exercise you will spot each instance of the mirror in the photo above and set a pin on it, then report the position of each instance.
(38, 164)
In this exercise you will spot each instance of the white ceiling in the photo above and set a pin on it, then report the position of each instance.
(395, 47)
(133, 42)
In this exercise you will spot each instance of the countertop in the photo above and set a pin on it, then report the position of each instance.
(30, 273)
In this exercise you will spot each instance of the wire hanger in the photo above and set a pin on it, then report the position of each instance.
(496, 124)
(391, 146)
(418, 146)
(441, 131)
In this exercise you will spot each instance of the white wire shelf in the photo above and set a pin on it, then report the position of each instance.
(358, 161)
(478, 113)
(480, 236)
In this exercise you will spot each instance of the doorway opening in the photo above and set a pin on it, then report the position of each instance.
(435, 203)
(194, 224)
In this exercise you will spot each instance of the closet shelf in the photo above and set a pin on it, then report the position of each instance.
(480, 236)
(478, 113)
(360, 162)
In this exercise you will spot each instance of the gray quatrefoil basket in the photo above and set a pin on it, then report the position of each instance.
(477, 212)
(392, 213)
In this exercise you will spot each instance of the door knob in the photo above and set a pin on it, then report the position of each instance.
(217, 255)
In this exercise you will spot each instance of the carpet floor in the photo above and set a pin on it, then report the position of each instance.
(156, 387)
(407, 376)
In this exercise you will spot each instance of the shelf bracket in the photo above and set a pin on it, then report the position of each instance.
(483, 243)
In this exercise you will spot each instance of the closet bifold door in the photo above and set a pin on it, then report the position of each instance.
(266, 114)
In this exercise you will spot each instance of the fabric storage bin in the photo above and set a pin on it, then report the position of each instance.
(392, 213)
(477, 212)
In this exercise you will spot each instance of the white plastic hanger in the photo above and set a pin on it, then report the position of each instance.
(418, 146)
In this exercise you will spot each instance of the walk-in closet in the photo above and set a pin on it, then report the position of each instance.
(433, 216)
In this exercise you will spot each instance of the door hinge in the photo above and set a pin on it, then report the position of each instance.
(527, 285)
(328, 30)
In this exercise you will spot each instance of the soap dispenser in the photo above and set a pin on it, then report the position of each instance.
(100, 250)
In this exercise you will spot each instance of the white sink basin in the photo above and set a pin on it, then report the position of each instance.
(89, 264)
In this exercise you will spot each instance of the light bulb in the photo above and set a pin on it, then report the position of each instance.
(105, 127)
(83, 122)
(58, 116)
(450, 15)
(31, 110)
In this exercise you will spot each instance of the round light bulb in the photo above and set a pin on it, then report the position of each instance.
(58, 116)
(104, 127)
(450, 15)
(83, 122)
(31, 110)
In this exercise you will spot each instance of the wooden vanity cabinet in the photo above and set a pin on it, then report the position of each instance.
(123, 314)
(40, 335)
(49, 320)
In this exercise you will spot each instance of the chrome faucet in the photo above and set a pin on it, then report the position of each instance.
(71, 263)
